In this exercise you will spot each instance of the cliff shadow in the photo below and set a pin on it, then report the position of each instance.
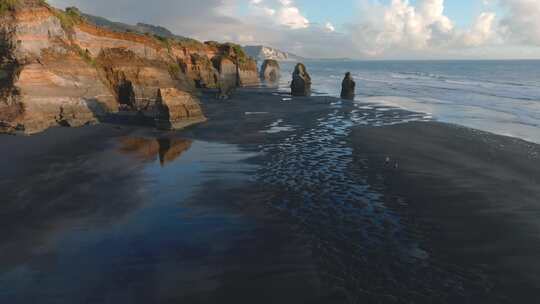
(124, 116)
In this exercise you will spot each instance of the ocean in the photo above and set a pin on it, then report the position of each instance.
(502, 97)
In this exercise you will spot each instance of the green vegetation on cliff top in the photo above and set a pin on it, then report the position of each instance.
(69, 18)
(73, 16)
(8, 5)
(11, 5)
(239, 52)
(180, 42)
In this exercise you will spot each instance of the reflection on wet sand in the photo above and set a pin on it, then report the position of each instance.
(146, 149)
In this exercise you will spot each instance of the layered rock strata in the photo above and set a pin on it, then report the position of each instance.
(58, 69)
(176, 109)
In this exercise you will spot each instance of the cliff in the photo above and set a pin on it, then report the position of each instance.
(260, 52)
(56, 68)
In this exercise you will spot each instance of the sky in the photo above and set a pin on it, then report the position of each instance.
(358, 29)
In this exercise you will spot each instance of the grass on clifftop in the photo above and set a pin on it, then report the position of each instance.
(11, 5)
(164, 41)
(69, 18)
(185, 42)
(8, 5)
(226, 48)
(241, 55)
(190, 43)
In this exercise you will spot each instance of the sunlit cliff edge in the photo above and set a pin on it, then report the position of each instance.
(58, 68)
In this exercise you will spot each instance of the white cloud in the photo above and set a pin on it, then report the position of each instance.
(522, 24)
(282, 12)
(329, 27)
(421, 28)
(483, 30)
(399, 29)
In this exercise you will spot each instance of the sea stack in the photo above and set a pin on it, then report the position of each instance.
(301, 82)
(348, 87)
(228, 76)
(270, 71)
(177, 109)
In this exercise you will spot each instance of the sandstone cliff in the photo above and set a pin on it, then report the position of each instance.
(56, 68)
(176, 110)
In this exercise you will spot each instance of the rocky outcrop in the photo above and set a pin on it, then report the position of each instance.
(270, 71)
(58, 69)
(228, 76)
(135, 80)
(200, 69)
(348, 87)
(248, 73)
(301, 81)
(176, 109)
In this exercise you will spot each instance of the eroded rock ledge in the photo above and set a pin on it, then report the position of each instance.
(58, 69)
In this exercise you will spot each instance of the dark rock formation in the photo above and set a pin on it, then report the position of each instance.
(126, 95)
(270, 71)
(177, 110)
(348, 87)
(301, 82)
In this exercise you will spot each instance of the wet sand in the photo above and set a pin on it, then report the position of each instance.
(273, 200)
(474, 197)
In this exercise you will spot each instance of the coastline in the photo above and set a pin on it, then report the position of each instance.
(317, 216)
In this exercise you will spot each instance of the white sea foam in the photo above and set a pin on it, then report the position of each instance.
(277, 127)
(501, 97)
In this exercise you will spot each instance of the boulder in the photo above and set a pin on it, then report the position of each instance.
(177, 110)
(270, 71)
(348, 87)
(301, 82)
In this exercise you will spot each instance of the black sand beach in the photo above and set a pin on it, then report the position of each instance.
(273, 200)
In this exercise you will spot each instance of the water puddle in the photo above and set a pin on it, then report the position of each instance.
(92, 243)
(166, 150)
(255, 113)
(278, 127)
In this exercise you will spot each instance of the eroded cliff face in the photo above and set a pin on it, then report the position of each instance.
(58, 69)
(176, 109)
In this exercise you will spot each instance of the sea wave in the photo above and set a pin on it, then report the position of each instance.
(499, 97)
